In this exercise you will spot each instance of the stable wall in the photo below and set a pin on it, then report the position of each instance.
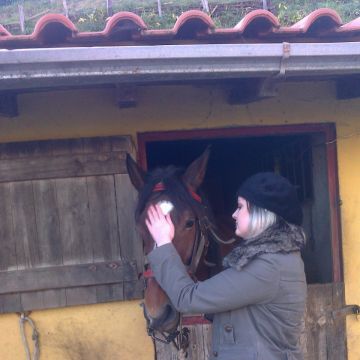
(94, 332)
(86, 113)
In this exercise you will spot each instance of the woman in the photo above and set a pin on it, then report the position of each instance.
(258, 300)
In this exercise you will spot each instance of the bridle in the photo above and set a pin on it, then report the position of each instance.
(205, 230)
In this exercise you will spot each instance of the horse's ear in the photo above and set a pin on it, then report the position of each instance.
(195, 173)
(136, 174)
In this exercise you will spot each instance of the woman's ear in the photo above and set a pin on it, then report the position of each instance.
(195, 173)
(136, 174)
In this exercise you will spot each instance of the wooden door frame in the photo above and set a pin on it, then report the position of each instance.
(327, 129)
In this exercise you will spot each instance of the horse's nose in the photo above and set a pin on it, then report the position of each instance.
(166, 322)
(156, 323)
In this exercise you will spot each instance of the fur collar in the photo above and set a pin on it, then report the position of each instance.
(278, 238)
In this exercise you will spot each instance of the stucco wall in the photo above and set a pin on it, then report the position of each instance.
(94, 332)
(119, 328)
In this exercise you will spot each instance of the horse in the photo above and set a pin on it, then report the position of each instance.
(194, 228)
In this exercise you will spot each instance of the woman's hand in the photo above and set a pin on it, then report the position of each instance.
(160, 226)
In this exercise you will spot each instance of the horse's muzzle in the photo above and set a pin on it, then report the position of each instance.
(168, 321)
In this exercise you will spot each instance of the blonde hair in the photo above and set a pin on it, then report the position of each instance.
(260, 220)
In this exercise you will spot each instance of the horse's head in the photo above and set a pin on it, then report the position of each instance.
(169, 184)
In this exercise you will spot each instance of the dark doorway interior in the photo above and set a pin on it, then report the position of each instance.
(301, 158)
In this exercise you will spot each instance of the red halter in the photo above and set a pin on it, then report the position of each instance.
(147, 274)
(161, 187)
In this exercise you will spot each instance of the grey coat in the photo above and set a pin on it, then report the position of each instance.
(258, 310)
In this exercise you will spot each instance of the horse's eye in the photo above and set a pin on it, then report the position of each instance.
(189, 224)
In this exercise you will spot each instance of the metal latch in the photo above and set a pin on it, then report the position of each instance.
(346, 310)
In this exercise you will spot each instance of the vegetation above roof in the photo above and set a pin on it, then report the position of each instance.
(90, 15)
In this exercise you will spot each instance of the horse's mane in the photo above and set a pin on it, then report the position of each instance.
(174, 187)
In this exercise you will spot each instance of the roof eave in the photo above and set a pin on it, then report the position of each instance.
(54, 67)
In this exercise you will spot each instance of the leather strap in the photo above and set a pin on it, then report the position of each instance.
(160, 186)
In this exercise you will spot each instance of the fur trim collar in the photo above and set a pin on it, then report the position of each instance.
(278, 238)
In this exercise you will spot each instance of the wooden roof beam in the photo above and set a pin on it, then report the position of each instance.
(8, 105)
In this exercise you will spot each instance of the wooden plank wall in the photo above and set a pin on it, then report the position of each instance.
(66, 204)
(323, 337)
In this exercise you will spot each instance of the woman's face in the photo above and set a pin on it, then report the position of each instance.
(242, 218)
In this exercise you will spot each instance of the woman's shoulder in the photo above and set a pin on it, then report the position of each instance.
(281, 256)
(263, 266)
(283, 261)
(290, 266)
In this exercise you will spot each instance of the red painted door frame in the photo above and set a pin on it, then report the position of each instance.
(327, 129)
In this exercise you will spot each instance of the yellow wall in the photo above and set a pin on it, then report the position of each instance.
(86, 113)
(94, 332)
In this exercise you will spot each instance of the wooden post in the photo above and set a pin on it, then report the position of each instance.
(159, 8)
(66, 8)
(109, 7)
(21, 18)
(205, 5)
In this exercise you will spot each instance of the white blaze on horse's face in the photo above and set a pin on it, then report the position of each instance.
(166, 207)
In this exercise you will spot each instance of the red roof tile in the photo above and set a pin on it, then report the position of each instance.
(326, 18)
(193, 21)
(124, 20)
(196, 26)
(53, 29)
(258, 18)
(53, 19)
(352, 26)
(4, 32)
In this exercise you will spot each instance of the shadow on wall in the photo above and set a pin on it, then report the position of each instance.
(76, 342)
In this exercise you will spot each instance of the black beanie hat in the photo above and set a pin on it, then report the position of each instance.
(274, 193)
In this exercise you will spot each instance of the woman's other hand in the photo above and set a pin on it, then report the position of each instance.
(160, 226)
